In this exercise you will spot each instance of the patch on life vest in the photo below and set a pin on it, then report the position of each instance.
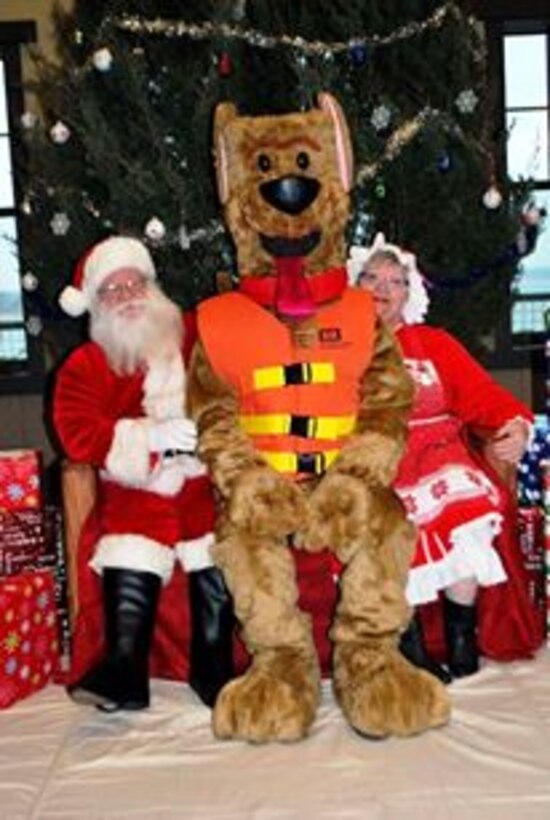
(330, 335)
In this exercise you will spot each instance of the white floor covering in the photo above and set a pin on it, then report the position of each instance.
(59, 760)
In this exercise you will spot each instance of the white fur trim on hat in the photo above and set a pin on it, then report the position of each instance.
(97, 264)
(111, 255)
(73, 302)
(418, 301)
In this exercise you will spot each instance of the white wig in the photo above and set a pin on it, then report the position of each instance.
(418, 302)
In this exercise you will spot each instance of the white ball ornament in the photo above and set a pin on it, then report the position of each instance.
(26, 207)
(60, 133)
(102, 60)
(28, 120)
(155, 230)
(29, 282)
(492, 198)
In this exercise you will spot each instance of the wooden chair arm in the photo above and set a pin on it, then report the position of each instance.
(79, 490)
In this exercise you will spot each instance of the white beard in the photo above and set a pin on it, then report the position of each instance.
(130, 341)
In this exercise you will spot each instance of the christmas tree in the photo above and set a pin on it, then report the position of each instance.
(123, 140)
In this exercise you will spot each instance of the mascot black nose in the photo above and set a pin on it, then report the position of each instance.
(291, 194)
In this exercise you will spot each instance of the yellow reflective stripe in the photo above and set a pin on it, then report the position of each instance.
(288, 462)
(282, 462)
(265, 378)
(328, 427)
(322, 373)
(320, 427)
(269, 425)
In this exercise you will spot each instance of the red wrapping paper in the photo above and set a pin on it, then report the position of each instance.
(19, 480)
(28, 634)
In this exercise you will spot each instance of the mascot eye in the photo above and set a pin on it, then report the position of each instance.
(264, 163)
(302, 160)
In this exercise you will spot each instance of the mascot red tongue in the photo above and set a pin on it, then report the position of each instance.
(293, 298)
(301, 401)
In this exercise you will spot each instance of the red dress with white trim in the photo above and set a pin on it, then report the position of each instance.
(453, 502)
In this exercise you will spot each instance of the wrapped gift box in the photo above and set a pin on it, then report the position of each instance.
(28, 634)
(19, 480)
(532, 543)
(34, 540)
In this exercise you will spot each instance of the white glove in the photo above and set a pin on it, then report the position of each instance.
(173, 434)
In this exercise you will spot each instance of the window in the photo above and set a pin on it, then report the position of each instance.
(526, 82)
(18, 351)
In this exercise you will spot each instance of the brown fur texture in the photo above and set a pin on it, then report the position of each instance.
(350, 509)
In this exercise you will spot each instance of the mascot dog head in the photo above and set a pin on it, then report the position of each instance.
(284, 182)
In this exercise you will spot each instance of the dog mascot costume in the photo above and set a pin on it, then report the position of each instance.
(301, 401)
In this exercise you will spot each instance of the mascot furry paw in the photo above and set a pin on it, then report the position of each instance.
(301, 401)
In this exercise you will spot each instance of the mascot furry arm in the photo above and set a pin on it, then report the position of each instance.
(301, 401)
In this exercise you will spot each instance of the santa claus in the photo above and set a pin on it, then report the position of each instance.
(119, 404)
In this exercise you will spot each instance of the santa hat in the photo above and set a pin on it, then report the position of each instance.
(97, 264)
(418, 302)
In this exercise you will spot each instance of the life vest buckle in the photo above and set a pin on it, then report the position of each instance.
(300, 426)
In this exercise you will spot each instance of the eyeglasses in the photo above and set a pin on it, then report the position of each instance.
(114, 292)
(371, 280)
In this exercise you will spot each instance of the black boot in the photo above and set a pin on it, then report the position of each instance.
(413, 648)
(121, 679)
(460, 633)
(212, 624)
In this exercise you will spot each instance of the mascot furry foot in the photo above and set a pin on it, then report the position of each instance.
(381, 693)
(275, 700)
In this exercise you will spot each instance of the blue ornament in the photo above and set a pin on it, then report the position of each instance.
(358, 54)
(444, 162)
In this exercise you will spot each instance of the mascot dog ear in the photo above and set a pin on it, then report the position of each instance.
(342, 140)
(225, 112)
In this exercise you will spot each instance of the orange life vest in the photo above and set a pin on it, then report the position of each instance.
(297, 404)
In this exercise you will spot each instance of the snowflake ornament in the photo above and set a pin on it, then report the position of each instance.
(60, 224)
(466, 101)
(60, 133)
(381, 117)
(34, 325)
